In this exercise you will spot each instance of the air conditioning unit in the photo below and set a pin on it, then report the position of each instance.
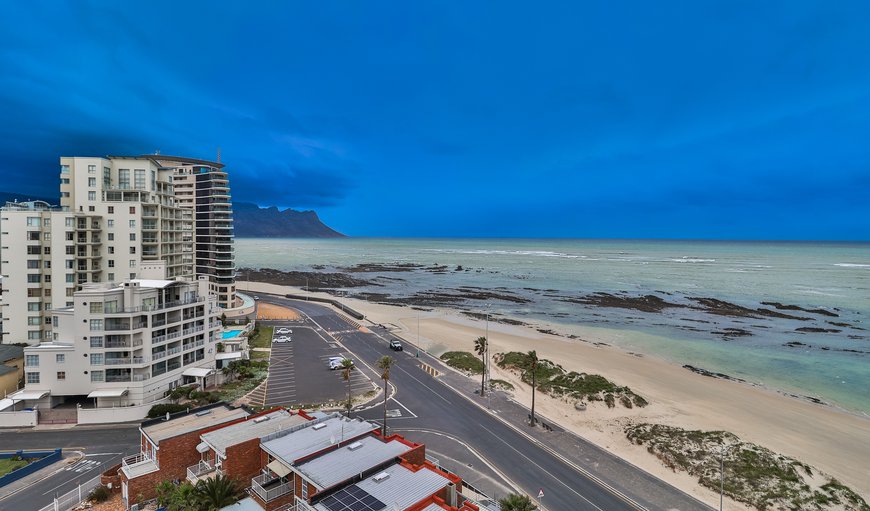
(318, 426)
(261, 419)
(381, 477)
(354, 446)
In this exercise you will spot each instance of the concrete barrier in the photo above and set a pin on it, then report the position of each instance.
(335, 303)
(117, 414)
(46, 459)
(18, 419)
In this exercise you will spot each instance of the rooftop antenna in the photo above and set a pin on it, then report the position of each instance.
(218, 154)
(157, 151)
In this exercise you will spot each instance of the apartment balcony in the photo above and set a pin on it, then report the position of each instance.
(269, 487)
(138, 465)
(141, 377)
(120, 378)
(202, 470)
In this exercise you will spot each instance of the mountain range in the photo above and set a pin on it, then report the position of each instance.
(249, 220)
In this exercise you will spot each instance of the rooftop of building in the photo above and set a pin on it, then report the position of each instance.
(7, 369)
(317, 436)
(398, 486)
(30, 205)
(253, 427)
(355, 458)
(192, 420)
(9, 352)
(163, 159)
(50, 345)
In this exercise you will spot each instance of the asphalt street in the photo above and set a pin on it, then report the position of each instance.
(101, 447)
(426, 404)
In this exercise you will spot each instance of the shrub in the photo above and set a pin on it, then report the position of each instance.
(163, 409)
(100, 494)
(464, 361)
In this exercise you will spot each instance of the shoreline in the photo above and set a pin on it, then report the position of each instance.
(834, 440)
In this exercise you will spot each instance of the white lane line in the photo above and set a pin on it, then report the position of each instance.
(427, 386)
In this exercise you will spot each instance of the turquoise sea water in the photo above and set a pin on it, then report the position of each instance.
(832, 366)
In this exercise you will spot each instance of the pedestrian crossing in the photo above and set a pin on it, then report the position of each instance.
(83, 465)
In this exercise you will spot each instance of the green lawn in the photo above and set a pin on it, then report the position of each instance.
(9, 465)
(262, 338)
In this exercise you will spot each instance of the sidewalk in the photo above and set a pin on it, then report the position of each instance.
(640, 486)
(68, 458)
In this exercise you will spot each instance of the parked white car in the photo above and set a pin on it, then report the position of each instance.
(282, 338)
(335, 363)
(283, 331)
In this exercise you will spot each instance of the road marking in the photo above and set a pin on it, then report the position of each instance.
(427, 386)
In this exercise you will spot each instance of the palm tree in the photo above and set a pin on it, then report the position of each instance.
(533, 362)
(480, 347)
(384, 364)
(516, 502)
(231, 370)
(217, 493)
(185, 498)
(346, 368)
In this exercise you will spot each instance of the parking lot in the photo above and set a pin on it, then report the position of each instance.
(299, 373)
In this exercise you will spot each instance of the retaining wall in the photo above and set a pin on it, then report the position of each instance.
(18, 419)
(118, 414)
(46, 459)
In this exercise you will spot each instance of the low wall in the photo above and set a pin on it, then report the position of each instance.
(18, 419)
(112, 477)
(335, 303)
(117, 414)
(46, 459)
(248, 307)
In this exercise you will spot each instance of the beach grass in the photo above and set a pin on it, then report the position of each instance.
(552, 379)
(463, 361)
(754, 475)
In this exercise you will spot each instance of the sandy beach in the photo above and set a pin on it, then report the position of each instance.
(831, 440)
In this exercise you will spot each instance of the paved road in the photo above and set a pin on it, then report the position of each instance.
(102, 448)
(429, 405)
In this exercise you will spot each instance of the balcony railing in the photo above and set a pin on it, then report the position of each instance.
(116, 361)
(200, 470)
(141, 377)
(269, 487)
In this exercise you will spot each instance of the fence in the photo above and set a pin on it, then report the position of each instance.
(46, 458)
(335, 303)
(73, 497)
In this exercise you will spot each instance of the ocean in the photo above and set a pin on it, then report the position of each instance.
(791, 316)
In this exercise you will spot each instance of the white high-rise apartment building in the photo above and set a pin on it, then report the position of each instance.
(126, 343)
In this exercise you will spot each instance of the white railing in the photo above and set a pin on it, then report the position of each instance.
(272, 493)
(158, 355)
(116, 361)
(135, 459)
(200, 469)
(73, 497)
(141, 377)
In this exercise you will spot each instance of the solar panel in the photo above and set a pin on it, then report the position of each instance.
(352, 498)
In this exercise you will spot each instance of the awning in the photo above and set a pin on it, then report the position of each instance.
(197, 372)
(228, 355)
(108, 393)
(202, 447)
(29, 394)
(278, 468)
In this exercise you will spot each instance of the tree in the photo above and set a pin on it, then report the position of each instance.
(516, 502)
(232, 369)
(346, 368)
(533, 363)
(384, 364)
(217, 492)
(480, 347)
(184, 498)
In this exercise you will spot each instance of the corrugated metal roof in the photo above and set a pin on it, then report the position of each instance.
(222, 438)
(307, 441)
(433, 507)
(342, 464)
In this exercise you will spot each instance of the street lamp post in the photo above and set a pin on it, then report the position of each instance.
(307, 289)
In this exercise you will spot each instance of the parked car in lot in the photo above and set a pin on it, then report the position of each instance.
(283, 331)
(395, 345)
(336, 362)
(282, 338)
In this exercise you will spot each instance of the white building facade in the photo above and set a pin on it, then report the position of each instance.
(126, 344)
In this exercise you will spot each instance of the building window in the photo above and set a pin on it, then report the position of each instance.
(46, 222)
(32, 264)
(34, 335)
(132, 250)
(46, 236)
(304, 490)
(48, 279)
(111, 237)
(70, 250)
(64, 169)
(34, 278)
(132, 263)
(34, 320)
(32, 377)
(60, 358)
(132, 236)
(33, 250)
(139, 177)
(132, 224)
(132, 210)
(92, 169)
(111, 210)
(111, 277)
(32, 235)
(96, 359)
(61, 375)
(70, 278)
(96, 307)
(31, 360)
(111, 263)
(69, 222)
(92, 182)
(69, 236)
(33, 221)
(110, 223)
(97, 376)
(96, 325)
(34, 306)
(96, 341)
(92, 195)
(123, 179)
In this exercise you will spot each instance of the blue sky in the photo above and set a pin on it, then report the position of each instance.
(735, 120)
